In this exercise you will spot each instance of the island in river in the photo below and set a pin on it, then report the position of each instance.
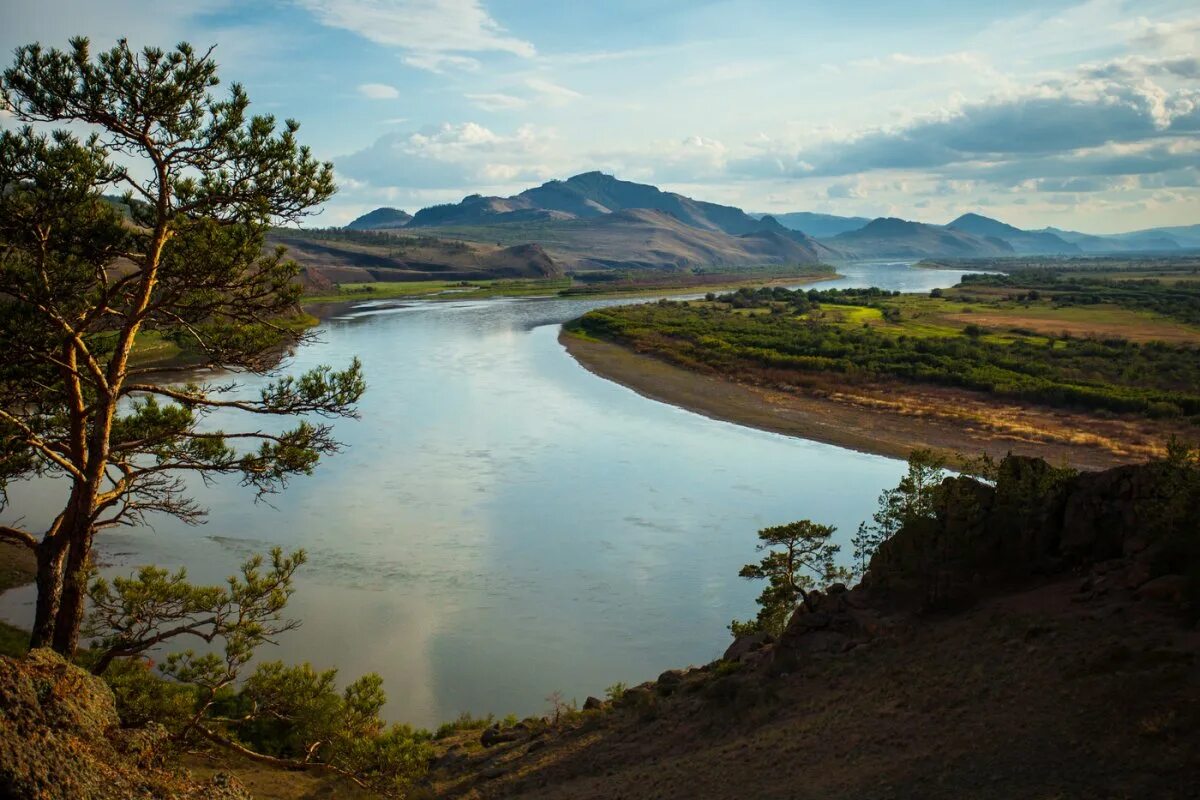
(1076, 369)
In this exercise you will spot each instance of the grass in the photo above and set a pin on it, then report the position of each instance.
(1087, 356)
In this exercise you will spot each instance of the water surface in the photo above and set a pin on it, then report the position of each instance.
(503, 523)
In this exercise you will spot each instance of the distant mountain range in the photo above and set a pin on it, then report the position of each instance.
(596, 221)
(819, 225)
(888, 237)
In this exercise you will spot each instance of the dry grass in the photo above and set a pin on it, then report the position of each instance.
(890, 419)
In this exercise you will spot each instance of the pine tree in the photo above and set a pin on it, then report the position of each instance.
(180, 258)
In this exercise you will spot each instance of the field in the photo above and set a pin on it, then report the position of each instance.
(1100, 365)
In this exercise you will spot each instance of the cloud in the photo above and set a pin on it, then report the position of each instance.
(1009, 133)
(537, 91)
(909, 60)
(552, 93)
(465, 156)
(1181, 35)
(378, 91)
(497, 101)
(434, 33)
(1186, 67)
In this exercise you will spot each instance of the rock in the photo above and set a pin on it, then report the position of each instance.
(496, 735)
(593, 704)
(1165, 589)
(821, 642)
(489, 735)
(1134, 545)
(60, 739)
(1137, 574)
(535, 745)
(804, 620)
(746, 644)
(669, 681)
(635, 695)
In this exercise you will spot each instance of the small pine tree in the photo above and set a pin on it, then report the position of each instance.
(805, 556)
(910, 500)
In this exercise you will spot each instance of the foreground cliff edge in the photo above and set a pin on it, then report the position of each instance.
(1037, 636)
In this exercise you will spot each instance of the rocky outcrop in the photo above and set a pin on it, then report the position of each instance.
(60, 738)
(1133, 529)
(1034, 520)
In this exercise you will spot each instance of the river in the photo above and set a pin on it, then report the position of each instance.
(504, 524)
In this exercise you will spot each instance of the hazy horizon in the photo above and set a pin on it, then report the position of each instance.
(1074, 115)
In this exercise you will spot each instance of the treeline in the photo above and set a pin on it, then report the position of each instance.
(1179, 300)
(1113, 375)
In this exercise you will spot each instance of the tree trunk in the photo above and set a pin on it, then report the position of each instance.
(74, 591)
(50, 555)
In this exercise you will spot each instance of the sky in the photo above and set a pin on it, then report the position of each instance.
(1077, 115)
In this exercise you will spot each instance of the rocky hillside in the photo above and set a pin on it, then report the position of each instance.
(333, 257)
(1034, 638)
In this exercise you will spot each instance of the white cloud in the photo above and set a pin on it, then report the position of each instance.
(497, 101)
(440, 62)
(961, 59)
(378, 91)
(551, 93)
(465, 156)
(434, 32)
(538, 91)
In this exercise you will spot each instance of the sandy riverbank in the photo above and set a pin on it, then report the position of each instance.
(881, 419)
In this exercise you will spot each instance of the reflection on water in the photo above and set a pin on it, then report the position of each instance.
(503, 523)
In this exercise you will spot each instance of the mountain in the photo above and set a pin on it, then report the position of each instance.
(1022, 242)
(888, 237)
(820, 225)
(1150, 240)
(381, 219)
(1186, 235)
(643, 238)
(584, 196)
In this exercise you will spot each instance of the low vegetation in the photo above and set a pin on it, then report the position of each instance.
(1099, 347)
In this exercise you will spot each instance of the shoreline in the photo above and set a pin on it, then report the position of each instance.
(849, 419)
(324, 306)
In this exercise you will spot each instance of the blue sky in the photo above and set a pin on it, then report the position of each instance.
(1079, 115)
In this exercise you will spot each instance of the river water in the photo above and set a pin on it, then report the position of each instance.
(504, 524)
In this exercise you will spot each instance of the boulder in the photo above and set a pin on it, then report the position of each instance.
(60, 739)
(1165, 589)
(746, 644)
(495, 735)
(593, 704)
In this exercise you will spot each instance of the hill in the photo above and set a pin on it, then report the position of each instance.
(1150, 240)
(820, 225)
(888, 237)
(583, 196)
(651, 239)
(1022, 242)
(342, 256)
(381, 219)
